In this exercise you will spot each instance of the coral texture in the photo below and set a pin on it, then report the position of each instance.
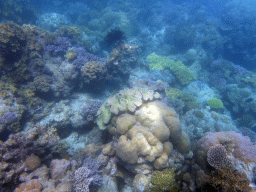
(93, 72)
(217, 157)
(125, 100)
(183, 74)
(147, 136)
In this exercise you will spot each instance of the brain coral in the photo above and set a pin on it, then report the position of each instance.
(146, 136)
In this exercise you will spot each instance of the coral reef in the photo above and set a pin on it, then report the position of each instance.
(23, 50)
(121, 60)
(148, 137)
(163, 181)
(198, 122)
(22, 152)
(87, 174)
(93, 73)
(232, 156)
(214, 103)
(125, 100)
(52, 21)
(217, 157)
(183, 74)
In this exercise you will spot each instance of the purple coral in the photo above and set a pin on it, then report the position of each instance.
(88, 174)
(84, 56)
(62, 45)
(8, 118)
(217, 157)
(89, 111)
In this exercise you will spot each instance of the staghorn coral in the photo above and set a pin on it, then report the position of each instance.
(183, 74)
(87, 174)
(125, 100)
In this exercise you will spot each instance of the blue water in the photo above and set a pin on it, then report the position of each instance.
(60, 61)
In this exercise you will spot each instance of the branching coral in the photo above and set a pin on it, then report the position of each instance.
(217, 157)
(183, 74)
(163, 181)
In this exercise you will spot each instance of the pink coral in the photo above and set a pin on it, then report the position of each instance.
(235, 143)
(217, 157)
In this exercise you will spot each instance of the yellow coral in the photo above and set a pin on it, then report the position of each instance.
(70, 55)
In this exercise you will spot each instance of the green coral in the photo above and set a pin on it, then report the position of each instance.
(215, 103)
(173, 93)
(125, 100)
(189, 102)
(163, 181)
(184, 75)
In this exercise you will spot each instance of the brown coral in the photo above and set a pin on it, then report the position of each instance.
(32, 162)
(30, 186)
(230, 180)
(93, 72)
(21, 45)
